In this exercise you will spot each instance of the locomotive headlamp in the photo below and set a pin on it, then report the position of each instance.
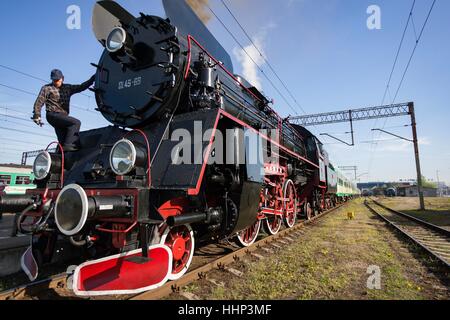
(125, 156)
(116, 40)
(42, 165)
(46, 163)
(73, 208)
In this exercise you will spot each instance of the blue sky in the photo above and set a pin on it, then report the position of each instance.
(322, 49)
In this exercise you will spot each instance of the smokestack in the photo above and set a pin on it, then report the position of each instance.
(201, 9)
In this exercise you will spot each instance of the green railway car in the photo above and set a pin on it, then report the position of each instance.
(345, 187)
(15, 179)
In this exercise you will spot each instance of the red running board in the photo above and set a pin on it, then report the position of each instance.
(118, 275)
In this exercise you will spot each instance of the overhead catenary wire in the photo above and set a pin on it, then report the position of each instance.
(263, 56)
(398, 52)
(387, 90)
(414, 51)
(14, 117)
(12, 149)
(407, 66)
(26, 132)
(32, 76)
(15, 111)
(35, 95)
(253, 60)
(20, 141)
(25, 149)
(28, 125)
(11, 153)
(28, 119)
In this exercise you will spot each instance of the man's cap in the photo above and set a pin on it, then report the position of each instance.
(56, 74)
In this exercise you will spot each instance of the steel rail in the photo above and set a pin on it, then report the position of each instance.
(404, 232)
(32, 289)
(199, 273)
(60, 281)
(436, 228)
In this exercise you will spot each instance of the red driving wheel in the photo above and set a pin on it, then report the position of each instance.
(180, 240)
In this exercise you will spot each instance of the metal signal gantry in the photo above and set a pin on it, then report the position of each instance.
(388, 111)
(395, 110)
(32, 154)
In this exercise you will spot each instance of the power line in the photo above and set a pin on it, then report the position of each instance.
(15, 110)
(387, 90)
(11, 149)
(26, 126)
(35, 95)
(251, 58)
(26, 132)
(28, 119)
(398, 52)
(12, 153)
(262, 55)
(414, 51)
(29, 124)
(19, 141)
(408, 64)
(14, 117)
(19, 90)
(31, 76)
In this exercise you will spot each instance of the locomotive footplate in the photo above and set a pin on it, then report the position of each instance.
(119, 274)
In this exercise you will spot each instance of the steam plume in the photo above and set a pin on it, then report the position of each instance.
(201, 9)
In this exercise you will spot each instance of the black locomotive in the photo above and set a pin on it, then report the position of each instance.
(195, 154)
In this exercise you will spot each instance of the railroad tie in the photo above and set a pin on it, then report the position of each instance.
(276, 246)
(257, 256)
(216, 283)
(440, 288)
(189, 296)
(267, 250)
(289, 239)
(283, 242)
(235, 272)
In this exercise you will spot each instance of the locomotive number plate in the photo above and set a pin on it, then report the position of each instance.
(128, 83)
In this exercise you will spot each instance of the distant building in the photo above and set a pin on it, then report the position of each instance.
(402, 188)
(443, 190)
(412, 191)
(370, 185)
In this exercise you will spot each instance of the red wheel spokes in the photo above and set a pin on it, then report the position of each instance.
(183, 234)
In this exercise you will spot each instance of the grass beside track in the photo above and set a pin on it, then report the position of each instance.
(330, 261)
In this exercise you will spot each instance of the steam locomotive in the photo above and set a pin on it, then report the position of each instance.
(195, 154)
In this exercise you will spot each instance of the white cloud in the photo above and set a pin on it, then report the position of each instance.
(424, 141)
(245, 56)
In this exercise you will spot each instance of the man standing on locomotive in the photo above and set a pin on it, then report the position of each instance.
(56, 97)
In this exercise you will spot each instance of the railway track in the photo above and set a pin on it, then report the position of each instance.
(433, 239)
(56, 287)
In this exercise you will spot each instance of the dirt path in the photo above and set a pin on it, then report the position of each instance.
(331, 261)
